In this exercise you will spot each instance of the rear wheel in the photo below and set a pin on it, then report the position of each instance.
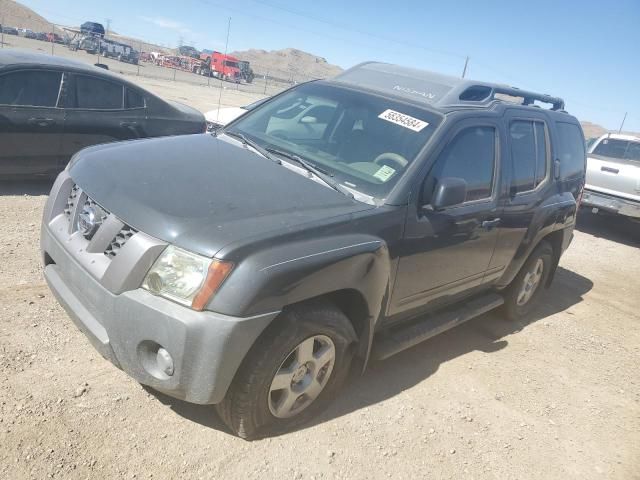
(292, 372)
(523, 294)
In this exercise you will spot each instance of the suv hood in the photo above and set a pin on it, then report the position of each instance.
(200, 192)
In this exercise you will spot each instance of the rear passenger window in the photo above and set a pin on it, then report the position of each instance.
(95, 93)
(30, 88)
(470, 156)
(570, 150)
(633, 152)
(134, 99)
(528, 155)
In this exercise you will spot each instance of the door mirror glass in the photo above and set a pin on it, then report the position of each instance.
(449, 191)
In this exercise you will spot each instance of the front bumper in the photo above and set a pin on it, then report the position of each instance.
(611, 204)
(129, 326)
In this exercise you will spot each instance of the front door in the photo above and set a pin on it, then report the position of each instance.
(31, 125)
(446, 253)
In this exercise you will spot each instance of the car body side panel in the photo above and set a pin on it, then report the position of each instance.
(292, 272)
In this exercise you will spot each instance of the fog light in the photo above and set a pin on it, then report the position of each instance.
(165, 362)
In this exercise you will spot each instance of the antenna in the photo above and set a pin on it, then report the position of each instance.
(623, 120)
(224, 60)
(466, 64)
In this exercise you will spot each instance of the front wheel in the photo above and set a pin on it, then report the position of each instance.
(523, 294)
(292, 372)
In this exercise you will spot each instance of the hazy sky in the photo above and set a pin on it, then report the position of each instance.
(584, 51)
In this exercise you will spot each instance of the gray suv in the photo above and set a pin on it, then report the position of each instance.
(340, 221)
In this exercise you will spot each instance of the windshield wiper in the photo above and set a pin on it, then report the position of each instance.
(309, 167)
(250, 143)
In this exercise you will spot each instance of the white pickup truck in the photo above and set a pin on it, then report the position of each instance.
(613, 175)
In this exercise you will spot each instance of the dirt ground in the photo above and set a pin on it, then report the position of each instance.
(554, 396)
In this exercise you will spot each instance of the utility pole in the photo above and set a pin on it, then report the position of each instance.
(623, 120)
(226, 48)
(466, 64)
(108, 20)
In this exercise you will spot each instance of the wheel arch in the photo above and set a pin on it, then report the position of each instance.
(350, 272)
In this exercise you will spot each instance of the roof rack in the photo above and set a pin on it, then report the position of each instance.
(529, 97)
(470, 93)
(437, 90)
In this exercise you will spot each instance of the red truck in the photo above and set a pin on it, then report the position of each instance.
(219, 65)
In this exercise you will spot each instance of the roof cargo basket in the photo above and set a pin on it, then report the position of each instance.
(530, 97)
(486, 92)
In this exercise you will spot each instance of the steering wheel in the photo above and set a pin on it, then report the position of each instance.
(399, 160)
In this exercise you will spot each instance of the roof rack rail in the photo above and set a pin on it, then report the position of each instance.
(529, 97)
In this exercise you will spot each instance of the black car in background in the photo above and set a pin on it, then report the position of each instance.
(9, 30)
(92, 28)
(52, 107)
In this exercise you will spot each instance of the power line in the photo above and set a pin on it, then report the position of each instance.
(350, 28)
(324, 35)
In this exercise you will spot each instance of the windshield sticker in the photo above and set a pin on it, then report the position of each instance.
(384, 173)
(403, 120)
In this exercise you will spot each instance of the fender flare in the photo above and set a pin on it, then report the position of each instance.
(272, 279)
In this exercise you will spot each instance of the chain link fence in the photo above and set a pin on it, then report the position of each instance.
(60, 40)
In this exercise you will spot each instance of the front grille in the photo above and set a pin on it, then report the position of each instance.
(119, 241)
(71, 201)
(77, 203)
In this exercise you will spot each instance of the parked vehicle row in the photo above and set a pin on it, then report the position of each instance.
(338, 221)
(52, 107)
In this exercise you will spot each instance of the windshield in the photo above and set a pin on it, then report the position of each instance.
(228, 63)
(364, 141)
(615, 148)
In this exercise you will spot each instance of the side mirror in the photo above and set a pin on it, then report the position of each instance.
(308, 119)
(448, 192)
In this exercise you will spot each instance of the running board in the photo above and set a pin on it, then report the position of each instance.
(406, 337)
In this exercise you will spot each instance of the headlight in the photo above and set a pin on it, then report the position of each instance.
(185, 277)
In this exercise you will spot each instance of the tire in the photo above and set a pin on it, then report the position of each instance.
(250, 407)
(519, 303)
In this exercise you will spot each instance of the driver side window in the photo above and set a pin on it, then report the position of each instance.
(469, 156)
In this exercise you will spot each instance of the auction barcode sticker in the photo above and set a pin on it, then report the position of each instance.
(403, 120)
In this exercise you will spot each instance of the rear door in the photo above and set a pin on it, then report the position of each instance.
(101, 110)
(31, 124)
(529, 188)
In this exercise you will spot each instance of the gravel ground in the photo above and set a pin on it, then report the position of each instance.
(554, 396)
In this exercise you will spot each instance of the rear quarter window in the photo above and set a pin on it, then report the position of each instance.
(570, 150)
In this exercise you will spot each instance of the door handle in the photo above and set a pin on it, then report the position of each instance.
(129, 124)
(489, 224)
(41, 121)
